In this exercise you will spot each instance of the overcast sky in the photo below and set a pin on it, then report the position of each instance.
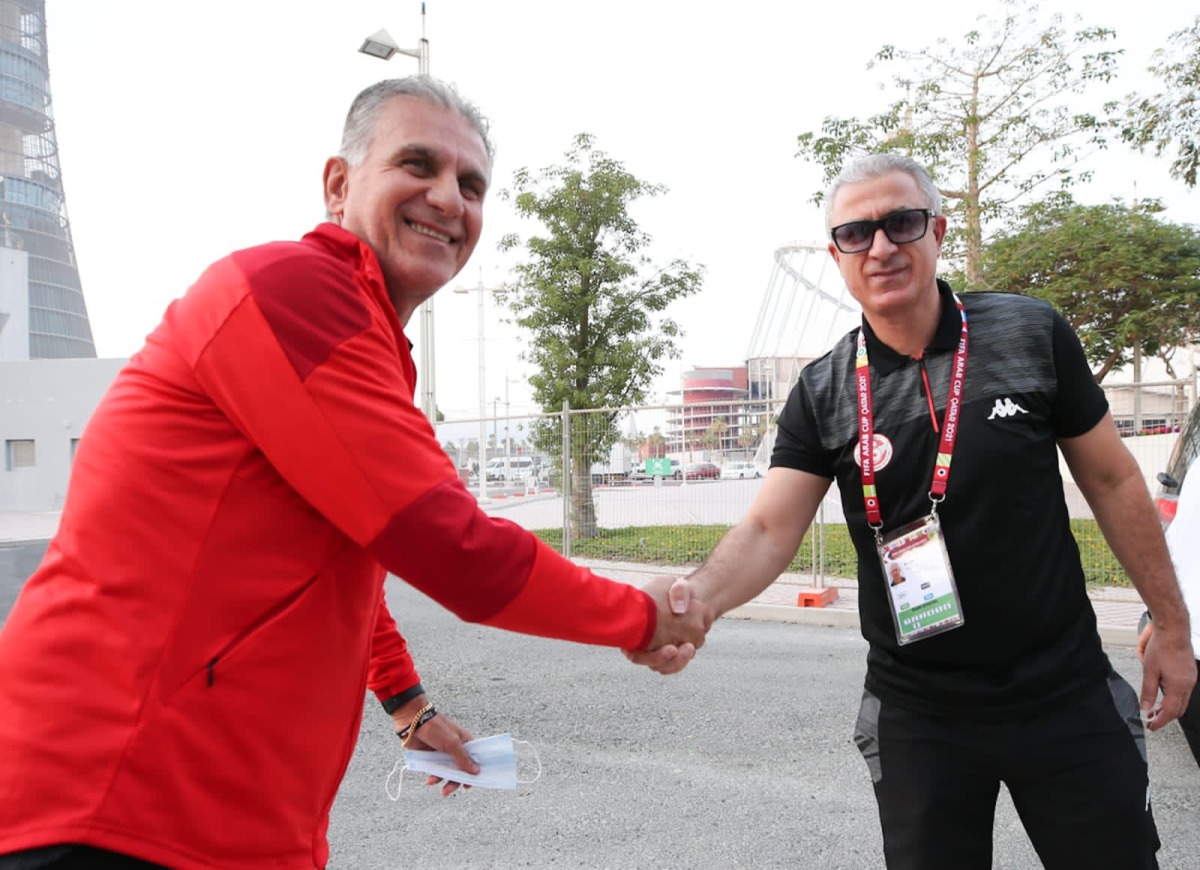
(191, 128)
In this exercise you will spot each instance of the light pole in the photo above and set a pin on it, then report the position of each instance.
(507, 418)
(495, 437)
(381, 45)
(482, 291)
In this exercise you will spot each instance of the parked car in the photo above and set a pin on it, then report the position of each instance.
(740, 471)
(504, 468)
(702, 471)
(1186, 450)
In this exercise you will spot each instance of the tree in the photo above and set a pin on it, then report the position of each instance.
(1125, 280)
(750, 435)
(1171, 117)
(592, 301)
(656, 445)
(978, 112)
(714, 435)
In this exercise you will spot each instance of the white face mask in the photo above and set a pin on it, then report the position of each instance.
(496, 757)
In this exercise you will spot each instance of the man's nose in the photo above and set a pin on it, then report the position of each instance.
(881, 245)
(445, 195)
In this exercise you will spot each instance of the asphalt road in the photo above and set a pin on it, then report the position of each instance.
(744, 760)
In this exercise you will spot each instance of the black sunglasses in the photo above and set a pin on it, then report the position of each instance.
(901, 227)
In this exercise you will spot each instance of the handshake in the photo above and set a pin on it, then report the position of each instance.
(683, 623)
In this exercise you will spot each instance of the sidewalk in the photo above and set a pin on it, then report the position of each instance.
(16, 526)
(1117, 610)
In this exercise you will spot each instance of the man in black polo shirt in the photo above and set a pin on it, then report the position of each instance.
(941, 420)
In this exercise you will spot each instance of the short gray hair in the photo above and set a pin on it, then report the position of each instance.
(360, 121)
(873, 166)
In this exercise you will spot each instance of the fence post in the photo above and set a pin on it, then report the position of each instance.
(566, 478)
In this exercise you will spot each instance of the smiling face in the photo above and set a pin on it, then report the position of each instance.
(416, 198)
(888, 280)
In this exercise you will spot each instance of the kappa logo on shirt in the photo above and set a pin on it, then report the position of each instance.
(1006, 407)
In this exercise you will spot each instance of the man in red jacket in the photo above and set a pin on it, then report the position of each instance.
(181, 680)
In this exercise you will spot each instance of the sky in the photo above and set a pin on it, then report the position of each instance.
(192, 128)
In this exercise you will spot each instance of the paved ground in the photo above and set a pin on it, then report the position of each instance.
(1117, 610)
(743, 761)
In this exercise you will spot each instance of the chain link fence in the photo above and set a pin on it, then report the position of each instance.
(654, 486)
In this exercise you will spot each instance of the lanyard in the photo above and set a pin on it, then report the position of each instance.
(866, 424)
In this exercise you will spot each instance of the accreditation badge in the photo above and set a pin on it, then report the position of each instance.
(920, 582)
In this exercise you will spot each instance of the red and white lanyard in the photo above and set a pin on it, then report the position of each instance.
(866, 424)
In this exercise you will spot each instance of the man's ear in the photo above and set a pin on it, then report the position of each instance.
(337, 184)
(939, 229)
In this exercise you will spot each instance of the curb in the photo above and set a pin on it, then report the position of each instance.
(1110, 635)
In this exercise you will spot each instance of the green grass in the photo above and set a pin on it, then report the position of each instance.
(690, 545)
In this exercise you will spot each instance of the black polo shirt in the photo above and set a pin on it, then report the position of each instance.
(1029, 638)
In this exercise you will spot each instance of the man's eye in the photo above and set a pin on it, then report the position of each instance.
(854, 233)
(415, 164)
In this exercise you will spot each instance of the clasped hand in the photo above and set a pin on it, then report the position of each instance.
(683, 623)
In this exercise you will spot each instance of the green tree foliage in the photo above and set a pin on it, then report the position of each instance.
(1122, 277)
(1172, 116)
(712, 437)
(592, 301)
(992, 116)
(656, 445)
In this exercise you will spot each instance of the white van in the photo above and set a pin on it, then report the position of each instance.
(510, 468)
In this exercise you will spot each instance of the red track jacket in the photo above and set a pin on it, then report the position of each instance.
(182, 679)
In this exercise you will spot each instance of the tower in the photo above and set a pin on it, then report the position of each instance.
(42, 310)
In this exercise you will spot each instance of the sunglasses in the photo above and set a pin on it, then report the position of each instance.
(901, 227)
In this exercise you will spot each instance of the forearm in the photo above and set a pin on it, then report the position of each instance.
(745, 562)
(1130, 524)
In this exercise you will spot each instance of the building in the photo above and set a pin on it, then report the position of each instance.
(44, 407)
(42, 310)
(713, 414)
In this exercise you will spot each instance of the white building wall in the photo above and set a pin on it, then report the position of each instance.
(49, 402)
(14, 304)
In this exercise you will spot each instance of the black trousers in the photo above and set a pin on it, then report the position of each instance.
(72, 857)
(1190, 722)
(1077, 776)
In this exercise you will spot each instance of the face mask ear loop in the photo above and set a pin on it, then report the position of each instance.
(536, 758)
(398, 772)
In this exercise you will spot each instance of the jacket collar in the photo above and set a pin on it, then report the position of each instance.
(343, 243)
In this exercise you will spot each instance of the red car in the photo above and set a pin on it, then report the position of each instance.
(702, 471)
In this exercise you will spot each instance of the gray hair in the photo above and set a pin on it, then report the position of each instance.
(873, 166)
(360, 121)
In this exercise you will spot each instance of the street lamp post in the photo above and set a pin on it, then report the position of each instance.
(507, 418)
(495, 436)
(381, 45)
(482, 291)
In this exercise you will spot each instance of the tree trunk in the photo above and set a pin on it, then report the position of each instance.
(583, 504)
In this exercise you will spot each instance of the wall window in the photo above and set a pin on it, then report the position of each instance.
(18, 454)
(74, 447)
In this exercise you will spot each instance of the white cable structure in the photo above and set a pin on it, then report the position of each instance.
(804, 310)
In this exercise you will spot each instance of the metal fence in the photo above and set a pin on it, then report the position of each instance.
(658, 485)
